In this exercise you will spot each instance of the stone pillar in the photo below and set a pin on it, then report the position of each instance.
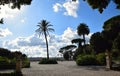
(108, 60)
(18, 65)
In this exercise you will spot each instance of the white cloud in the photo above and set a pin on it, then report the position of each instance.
(34, 46)
(5, 32)
(57, 7)
(22, 21)
(7, 12)
(70, 7)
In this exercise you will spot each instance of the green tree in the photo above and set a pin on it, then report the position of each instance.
(101, 4)
(116, 43)
(15, 3)
(44, 28)
(66, 48)
(97, 42)
(83, 29)
(111, 30)
(78, 41)
(67, 51)
(110, 33)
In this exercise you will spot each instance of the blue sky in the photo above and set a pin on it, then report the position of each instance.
(18, 31)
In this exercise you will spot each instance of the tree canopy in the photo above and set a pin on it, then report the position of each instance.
(68, 47)
(78, 41)
(15, 3)
(97, 42)
(83, 30)
(101, 4)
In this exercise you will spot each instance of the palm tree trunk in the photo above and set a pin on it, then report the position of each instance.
(46, 45)
(84, 38)
(84, 44)
(79, 44)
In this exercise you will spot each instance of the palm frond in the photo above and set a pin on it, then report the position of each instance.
(51, 29)
(44, 27)
(49, 25)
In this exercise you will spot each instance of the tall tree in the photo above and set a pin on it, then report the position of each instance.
(110, 33)
(83, 29)
(97, 42)
(44, 29)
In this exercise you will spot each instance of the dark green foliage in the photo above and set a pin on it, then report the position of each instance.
(5, 63)
(116, 43)
(6, 53)
(84, 60)
(67, 55)
(77, 52)
(67, 51)
(87, 49)
(117, 3)
(16, 3)
(26, 63)
(8, 59)
(98, 43)
(111, 31)
(98, 4)
(115, 53)
(68, 47)
(78, 41)
(102, 4)
(101, 58)
(48, 61)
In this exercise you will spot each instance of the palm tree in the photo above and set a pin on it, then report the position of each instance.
(44, 28)
(83, 29)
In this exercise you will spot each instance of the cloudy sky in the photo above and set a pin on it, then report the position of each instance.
(18, 31)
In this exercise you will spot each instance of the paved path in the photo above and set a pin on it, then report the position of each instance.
(66, 68)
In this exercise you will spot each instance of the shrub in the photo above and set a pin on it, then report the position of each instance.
(86, 60)
(101, 58)
(46, 61)
(26, 63)
(115, 53)
(5, 63)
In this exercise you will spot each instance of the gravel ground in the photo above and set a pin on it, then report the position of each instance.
(67, 68)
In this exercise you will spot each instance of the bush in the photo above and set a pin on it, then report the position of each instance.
(86, 60)
(46, 61)
(115, 53)
(5, 63)
(101, 58)
(26, 63)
